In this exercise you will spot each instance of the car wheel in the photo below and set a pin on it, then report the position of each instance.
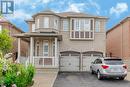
(121, 78)
(99, 76)
(91, 70)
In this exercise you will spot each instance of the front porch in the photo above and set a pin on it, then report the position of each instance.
(43, 50)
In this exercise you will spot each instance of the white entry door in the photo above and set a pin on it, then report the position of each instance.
(69, 63)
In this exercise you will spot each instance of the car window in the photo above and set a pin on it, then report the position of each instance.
(113, 61)
(95, 61)
(99, 61)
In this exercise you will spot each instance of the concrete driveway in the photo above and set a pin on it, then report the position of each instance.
(86, 80)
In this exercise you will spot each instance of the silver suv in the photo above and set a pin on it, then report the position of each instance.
(109, 67)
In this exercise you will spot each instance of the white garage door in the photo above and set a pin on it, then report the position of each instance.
(88, 58)
(87, 62)
(69, 63)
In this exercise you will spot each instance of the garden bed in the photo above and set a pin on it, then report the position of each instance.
(15, 74)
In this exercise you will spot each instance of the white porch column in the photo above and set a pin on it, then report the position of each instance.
(56, 55)
(31, 50)
(19, 50)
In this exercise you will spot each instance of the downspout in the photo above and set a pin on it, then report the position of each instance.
(129, 37)
(122, 40)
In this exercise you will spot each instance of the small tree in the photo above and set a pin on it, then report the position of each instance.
(5, 41)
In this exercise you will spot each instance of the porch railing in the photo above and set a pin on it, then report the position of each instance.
(43, 61)
(24, 60)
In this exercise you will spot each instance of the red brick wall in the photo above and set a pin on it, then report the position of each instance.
(118, 40)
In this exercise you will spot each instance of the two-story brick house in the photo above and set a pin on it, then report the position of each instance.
(118, 40)
(5, 24)
(68, 41)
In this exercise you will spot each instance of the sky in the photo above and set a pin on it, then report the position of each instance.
(115, 10)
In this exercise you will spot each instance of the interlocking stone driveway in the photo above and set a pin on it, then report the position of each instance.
(86, 80)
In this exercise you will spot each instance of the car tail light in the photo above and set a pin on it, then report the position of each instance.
(105, 66)
(124, 66)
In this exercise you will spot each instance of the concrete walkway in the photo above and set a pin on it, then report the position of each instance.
(128, 76)
(45, 77)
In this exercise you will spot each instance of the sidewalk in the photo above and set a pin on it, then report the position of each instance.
(45, 77)
(128, 76)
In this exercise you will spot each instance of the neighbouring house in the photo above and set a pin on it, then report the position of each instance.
(68, 41)
(5, 24)
(118, 40)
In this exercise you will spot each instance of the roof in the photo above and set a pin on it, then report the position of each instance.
(122, 21)
(47, 12)
(37, 34)
(4, 20)
(77, 14)
(65, 14)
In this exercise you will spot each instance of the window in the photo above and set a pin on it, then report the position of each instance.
(65, 25)
(46, 22)
(87, 25)
(81, 24)
(0, 28)
(113, 61)
(56, 24)
(82, 28)
(77, 25)
(97, 26)
(38, 23)
(45, 48)
(33, 27)
(53, 46)
(37, 48)
(99, 61)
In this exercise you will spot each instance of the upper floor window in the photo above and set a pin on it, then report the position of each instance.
(97, 26)
(38, 23)
(0, 28)
(56, 24)
(65, 25)
(82, 29)
(46, 22)
(81, 24)
(33, 27)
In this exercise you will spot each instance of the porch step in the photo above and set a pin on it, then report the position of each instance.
(45, 70)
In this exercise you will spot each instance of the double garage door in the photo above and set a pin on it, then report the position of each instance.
(73, 61)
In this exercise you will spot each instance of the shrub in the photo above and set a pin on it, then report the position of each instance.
(11, 73)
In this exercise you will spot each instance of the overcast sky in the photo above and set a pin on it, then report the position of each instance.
(115, 10)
